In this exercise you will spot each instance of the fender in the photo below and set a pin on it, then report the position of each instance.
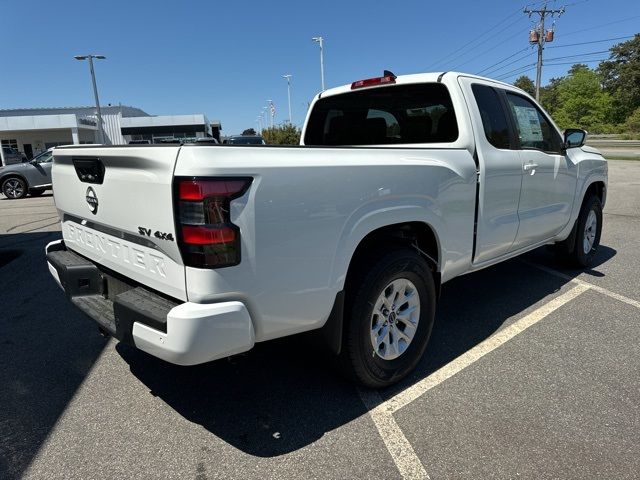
(595, 175)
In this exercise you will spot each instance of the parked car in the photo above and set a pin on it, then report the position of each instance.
(207, 141)
(194, 253)
(11, 156)
(32, 177)
(245, 140)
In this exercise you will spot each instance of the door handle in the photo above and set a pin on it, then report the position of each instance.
(530, 166)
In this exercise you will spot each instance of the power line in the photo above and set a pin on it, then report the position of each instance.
(503, 60)
(577, 62)
(518, 72)
(501, 42)
(510, 63)
(474, 39)
(594, 41)
(506, 74)
(578, 55)
(600, 26)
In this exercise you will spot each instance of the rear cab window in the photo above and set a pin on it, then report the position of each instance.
(494, 118)
(398, 114)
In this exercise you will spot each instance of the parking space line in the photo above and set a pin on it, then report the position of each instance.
(577, 281)
(401, 451)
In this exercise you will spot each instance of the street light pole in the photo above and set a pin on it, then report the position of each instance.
(270, 111)
(95, 91)
(288, 77)
(320, 41)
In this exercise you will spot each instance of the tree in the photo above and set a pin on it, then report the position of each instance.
(621, 77)
(633, 122)
(249, 131)
(286, 134)
(525, 83)
(582, 101)
(549, 95)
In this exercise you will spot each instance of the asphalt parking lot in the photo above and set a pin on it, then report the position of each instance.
(533, 371)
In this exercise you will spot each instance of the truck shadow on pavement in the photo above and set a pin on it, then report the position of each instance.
(46, 350)
(284, 395)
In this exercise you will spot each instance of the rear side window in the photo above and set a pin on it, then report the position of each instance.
(494, 119)
(399, 114)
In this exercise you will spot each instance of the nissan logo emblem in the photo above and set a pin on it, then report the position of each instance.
(92, 200)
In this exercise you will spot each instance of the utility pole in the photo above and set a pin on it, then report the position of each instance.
(272, 111)
(541, 36)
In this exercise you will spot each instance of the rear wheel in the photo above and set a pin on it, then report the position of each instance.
(14, 187)
(389, 316)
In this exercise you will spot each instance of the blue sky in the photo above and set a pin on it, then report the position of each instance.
(225, 59)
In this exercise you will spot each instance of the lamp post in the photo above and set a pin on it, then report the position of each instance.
(288, 77)
(320, 41)
(270, 110)
(95, 90)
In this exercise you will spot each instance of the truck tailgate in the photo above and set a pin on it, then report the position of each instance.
(116, 207)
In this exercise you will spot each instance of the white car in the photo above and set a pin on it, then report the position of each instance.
(193, 253)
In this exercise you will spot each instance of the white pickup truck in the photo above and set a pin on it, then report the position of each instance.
(193, 253)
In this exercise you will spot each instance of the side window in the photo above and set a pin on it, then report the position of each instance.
(494, 119)
(534, 130)
(46, 158)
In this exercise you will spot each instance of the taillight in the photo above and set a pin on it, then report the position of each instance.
(370, 82)
(206, 236)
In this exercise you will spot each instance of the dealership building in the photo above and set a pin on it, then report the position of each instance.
(33, 130)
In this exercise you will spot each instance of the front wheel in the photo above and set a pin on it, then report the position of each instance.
(14, 187)
(589, 229)
(389, 316)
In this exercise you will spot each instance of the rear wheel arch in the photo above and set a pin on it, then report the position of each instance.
(417, 235)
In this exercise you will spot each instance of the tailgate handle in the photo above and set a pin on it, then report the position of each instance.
(89, 170)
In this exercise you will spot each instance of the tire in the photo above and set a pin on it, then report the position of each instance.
(588, 231)
(36, 192)
(14, 187)
(399, 274)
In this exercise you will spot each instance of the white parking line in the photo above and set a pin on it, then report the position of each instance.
(604, 291)
(381, 412)
(401, 451)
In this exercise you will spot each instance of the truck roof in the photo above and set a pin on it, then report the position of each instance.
(408, 79)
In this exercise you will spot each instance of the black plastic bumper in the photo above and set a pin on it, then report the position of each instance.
(114, 303)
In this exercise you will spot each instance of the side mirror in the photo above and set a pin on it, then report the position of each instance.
(574, 137)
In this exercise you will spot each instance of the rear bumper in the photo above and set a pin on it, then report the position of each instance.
(181, 333)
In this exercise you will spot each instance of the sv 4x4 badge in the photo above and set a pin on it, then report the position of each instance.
(146, 232)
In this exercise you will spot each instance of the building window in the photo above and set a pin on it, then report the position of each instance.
(13, 143)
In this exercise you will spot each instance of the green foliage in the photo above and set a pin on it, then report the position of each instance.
(249, 131)
(582, 102)
(633, 122)
(285, 134)
(621, 78)
(525, 83)
(549, 95)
